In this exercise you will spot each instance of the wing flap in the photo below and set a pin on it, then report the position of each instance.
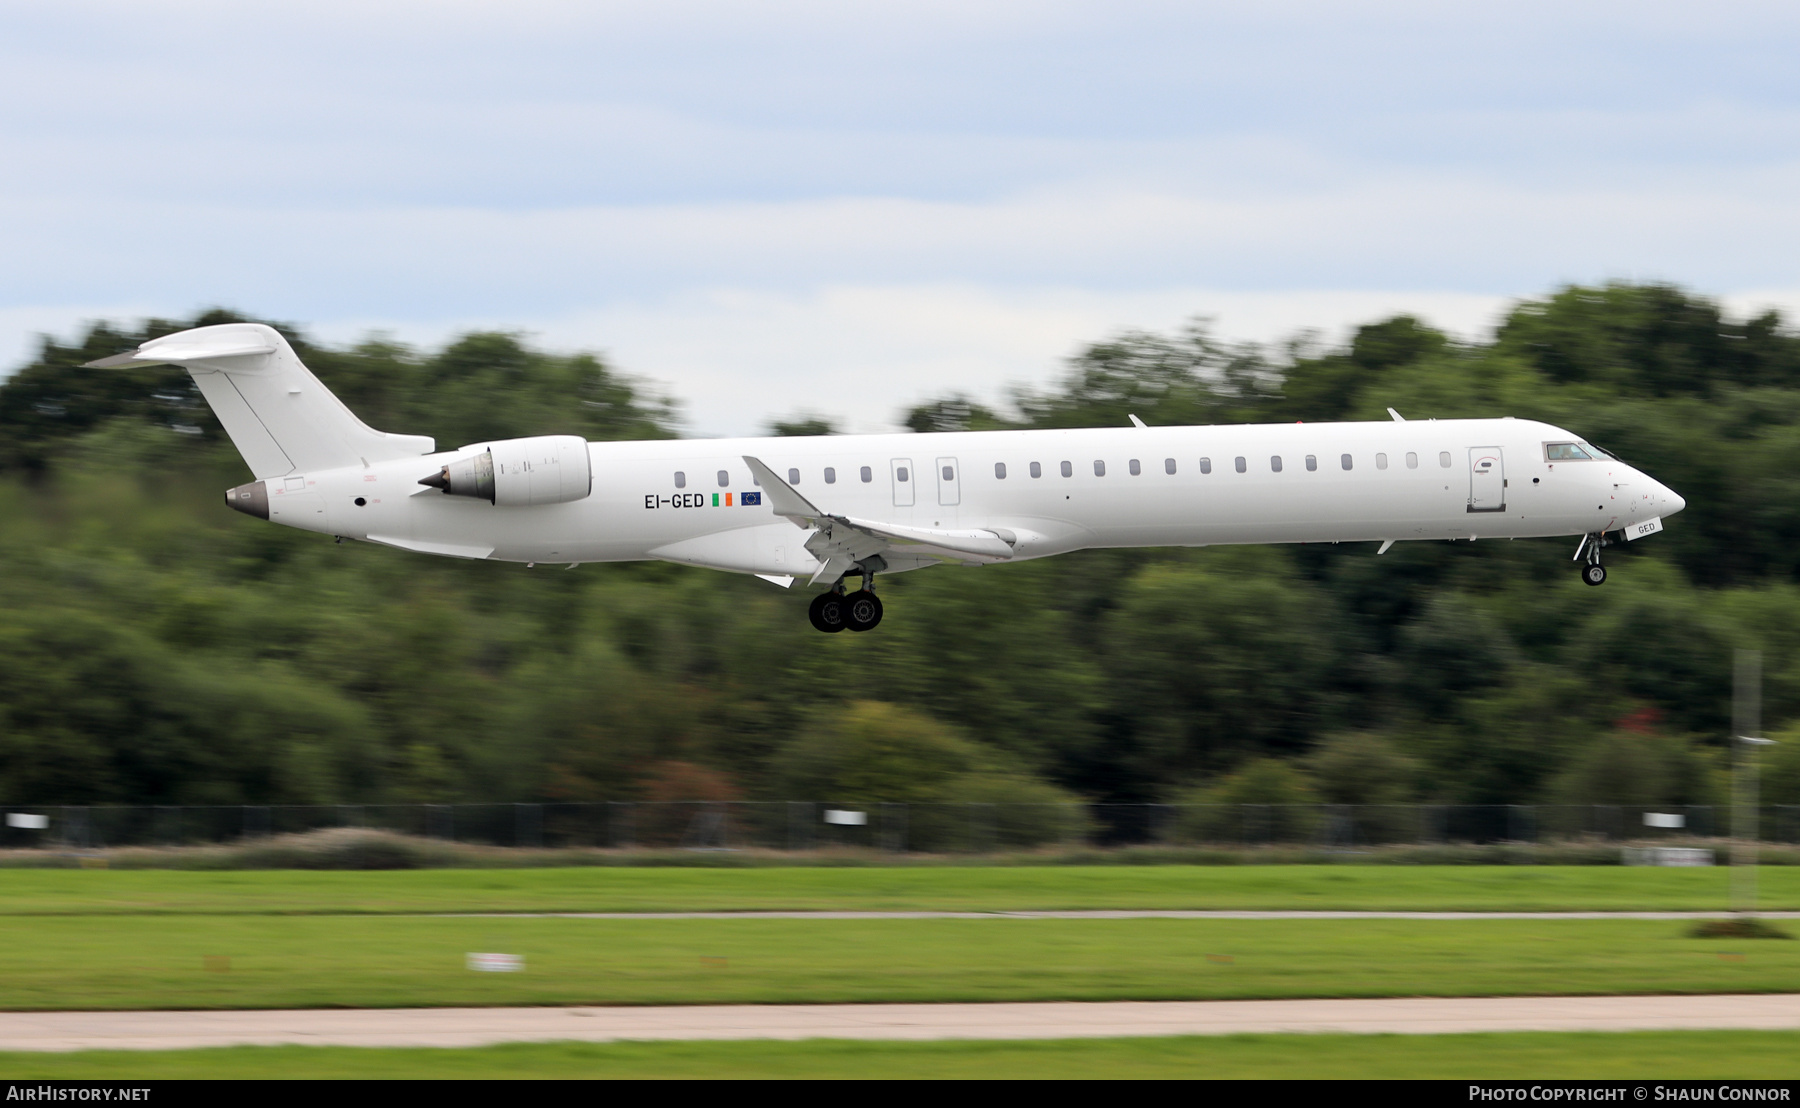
(839, 542)
(968, 543)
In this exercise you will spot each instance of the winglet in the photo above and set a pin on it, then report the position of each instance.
(1398, 418)
(781, 496)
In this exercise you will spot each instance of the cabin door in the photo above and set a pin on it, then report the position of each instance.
(1487, 479)
(905, 480)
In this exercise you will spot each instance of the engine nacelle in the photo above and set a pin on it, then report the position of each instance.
(548, 469)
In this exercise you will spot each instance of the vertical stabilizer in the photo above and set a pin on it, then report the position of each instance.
(279, 416)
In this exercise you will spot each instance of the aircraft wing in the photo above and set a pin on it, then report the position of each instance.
(839, 542)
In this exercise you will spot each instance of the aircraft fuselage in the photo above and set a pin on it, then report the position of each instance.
(696, 501)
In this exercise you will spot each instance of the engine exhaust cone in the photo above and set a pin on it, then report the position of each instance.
(251, 499)
(468, 477)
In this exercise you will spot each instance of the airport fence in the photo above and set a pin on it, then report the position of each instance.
(798, 825)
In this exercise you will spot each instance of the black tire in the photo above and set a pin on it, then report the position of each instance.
(862, 610)
(1594, 574)
(827, 612)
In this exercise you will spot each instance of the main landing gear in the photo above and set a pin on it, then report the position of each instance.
(835, 610)
(1593, 572)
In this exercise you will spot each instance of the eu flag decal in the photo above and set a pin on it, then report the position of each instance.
(749, 498)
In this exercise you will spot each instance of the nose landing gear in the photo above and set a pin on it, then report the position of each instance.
(1593, 573)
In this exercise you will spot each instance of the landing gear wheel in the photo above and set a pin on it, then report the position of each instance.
(1594, 574)
(862, 610)
(828, 612)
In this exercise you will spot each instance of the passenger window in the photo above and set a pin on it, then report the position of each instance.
(680, 479)
(1275, 463)
(1099, 468)
(1000, 470)
(1444, 459)
(793, 477)
(1168, 465)
(1566, 452)
(1205, 465)
(900, 473)
(1345, 461)
(1135, 468)
(1381, 461)
(724, 478)
(1068, 469)
(867, 475)
(949, 474)
(1312, 462)
(1037, 470)
(1412, 460)
(1241, 467)
(830, 476)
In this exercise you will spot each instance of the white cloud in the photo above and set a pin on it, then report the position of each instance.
(738, 358)
(23, 327)
(777, 206)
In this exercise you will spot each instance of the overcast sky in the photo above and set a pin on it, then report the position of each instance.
(845, 208)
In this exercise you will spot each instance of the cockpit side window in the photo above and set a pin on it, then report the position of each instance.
(1566, 452)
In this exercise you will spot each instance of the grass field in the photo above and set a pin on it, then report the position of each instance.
(1475, 888)
(72, 939)
(1670, 1055)
(402, 961)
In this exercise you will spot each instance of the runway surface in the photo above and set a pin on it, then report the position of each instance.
(464, 1027)
(1107, 913)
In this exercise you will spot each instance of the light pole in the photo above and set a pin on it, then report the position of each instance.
(1746, 721)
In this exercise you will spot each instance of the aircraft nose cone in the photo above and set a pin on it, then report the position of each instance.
(1671, 501)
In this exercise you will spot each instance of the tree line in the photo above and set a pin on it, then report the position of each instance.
(161, 649)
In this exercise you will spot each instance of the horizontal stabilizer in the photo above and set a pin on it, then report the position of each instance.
(166, 353)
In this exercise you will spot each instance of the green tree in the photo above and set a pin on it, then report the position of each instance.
(1210, 663)
(803, 425)
(1264, 801)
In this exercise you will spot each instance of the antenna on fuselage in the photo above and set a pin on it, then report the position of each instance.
(1398, 418)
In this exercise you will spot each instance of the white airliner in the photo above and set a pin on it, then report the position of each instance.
(840, 509)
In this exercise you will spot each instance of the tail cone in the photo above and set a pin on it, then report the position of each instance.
(251, 499)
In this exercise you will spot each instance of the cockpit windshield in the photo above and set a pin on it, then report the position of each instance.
(1599, 451)
(1567, 452)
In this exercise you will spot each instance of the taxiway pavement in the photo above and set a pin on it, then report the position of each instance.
(467, 1027)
